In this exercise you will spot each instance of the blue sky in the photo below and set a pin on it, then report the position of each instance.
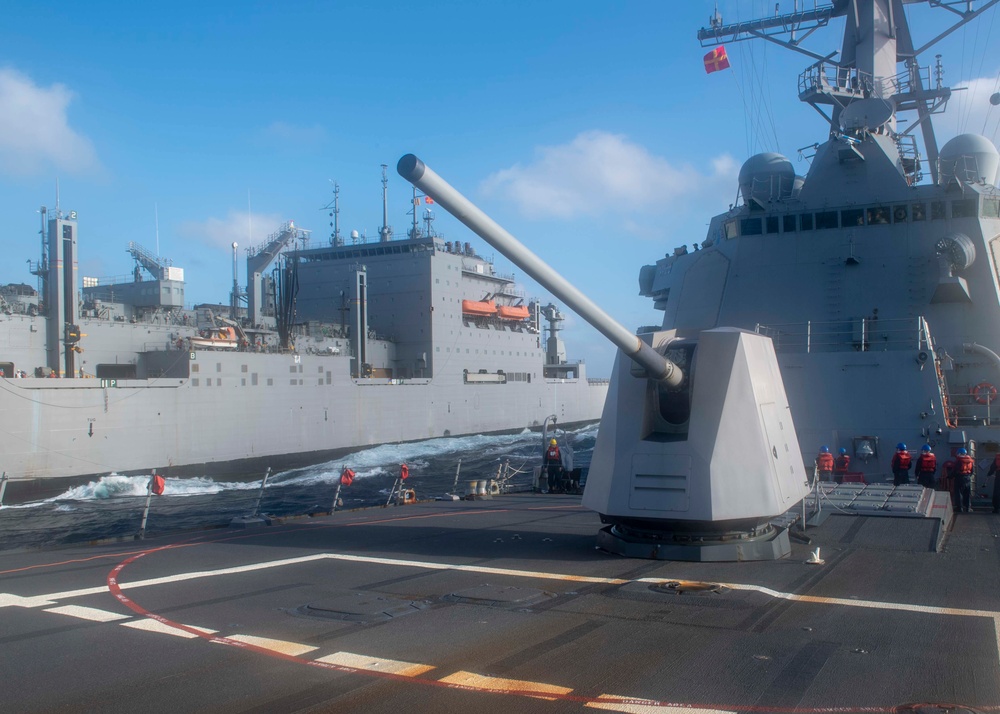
(588, 129)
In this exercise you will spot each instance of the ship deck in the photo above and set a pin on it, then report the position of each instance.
(503, 604)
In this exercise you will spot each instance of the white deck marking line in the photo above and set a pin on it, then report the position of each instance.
(498, 684)
(88, 613)
(631, 705)
(477, 569)
(148, 624)
(7, 600)
(376, 664)
(281, 646)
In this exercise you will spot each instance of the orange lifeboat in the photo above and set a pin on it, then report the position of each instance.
(509, 312)
(479, 309)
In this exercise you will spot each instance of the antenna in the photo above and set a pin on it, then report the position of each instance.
(334, 208)
(156, 217)
(249, 221)
(385, 233)
(58, 213)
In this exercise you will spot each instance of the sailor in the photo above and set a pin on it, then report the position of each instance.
(824, 464)
(925, 467)
(553, 464)
(841, 464)
(901, 465)
(964, 467)
(994, 469)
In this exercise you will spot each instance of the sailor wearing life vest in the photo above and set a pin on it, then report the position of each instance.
(553, 464)
(901, 465)
(995, 470)
(964, 468)
(841, 464)
(824, 464)
(925, 467)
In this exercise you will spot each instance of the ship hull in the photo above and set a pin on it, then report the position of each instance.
(245, 412)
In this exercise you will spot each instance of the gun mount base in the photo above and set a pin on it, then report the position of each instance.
(770, 543)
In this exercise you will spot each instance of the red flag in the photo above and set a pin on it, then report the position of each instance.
(156, 484)
(428, 199)
(347, 477)
(404, 471)
(716, 59)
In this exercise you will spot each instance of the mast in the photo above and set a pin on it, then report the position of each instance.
(385, 232)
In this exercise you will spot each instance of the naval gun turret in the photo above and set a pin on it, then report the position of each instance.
(697, 451)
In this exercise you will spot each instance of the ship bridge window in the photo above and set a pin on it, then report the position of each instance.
(729, 229)
(852, 217)
(750, 227)
(878, 216)
(937, 210)
(899, 214)
(826, 219)
(919, 212)
(991, 208)
(806, 221)
(789, 224)
(966, 208)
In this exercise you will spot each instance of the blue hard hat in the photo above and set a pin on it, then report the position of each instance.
(900, 446)
(962, 452)
(843, 451)
(825, 449)
(925, 447)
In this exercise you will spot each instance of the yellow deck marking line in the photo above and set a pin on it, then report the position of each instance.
(376, 664)
(281, 646)
(88, 613)
(148, 624)
(498, 684)
(635, 706)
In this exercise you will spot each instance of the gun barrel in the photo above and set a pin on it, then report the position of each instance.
(420, 175)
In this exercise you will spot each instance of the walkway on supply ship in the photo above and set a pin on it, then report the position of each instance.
(497, 605)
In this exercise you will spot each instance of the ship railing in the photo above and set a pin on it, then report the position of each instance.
(850, 82)
(972, 407)
(866, 334)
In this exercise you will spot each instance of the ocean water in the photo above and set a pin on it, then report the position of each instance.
(112, 505)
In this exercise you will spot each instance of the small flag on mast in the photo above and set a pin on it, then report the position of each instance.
(428, 199)
(716, 59)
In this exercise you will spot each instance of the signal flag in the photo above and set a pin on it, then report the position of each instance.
(716, 59)
(157, 484)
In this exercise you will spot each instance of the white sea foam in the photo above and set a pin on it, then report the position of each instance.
(380, 460)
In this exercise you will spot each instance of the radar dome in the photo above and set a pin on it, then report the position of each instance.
(766, 177)
(970, 157)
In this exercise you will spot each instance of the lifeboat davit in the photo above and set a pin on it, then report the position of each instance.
(511, 312)
(479, 309)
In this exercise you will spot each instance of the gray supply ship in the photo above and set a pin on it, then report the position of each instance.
(886, 606)
(343, 345)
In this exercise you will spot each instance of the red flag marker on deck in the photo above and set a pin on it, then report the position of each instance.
(716, 60)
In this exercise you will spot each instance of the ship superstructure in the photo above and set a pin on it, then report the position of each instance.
(340, 346)
(879, 288)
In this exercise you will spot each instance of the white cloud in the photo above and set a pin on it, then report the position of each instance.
(293, 136)
(234, 228)
(598, 172)
(34, 129)
(969, 109)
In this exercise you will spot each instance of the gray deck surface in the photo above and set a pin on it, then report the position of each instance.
(550, 614)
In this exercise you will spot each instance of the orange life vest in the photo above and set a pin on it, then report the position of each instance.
(552, 454)
(927, 462)
(901, 460)
(966, 465)
(824, 462)
(842, 463)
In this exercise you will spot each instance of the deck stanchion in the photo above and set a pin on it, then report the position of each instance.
(145, 511)
(458, 470)
(3, 486)
(260, 495)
